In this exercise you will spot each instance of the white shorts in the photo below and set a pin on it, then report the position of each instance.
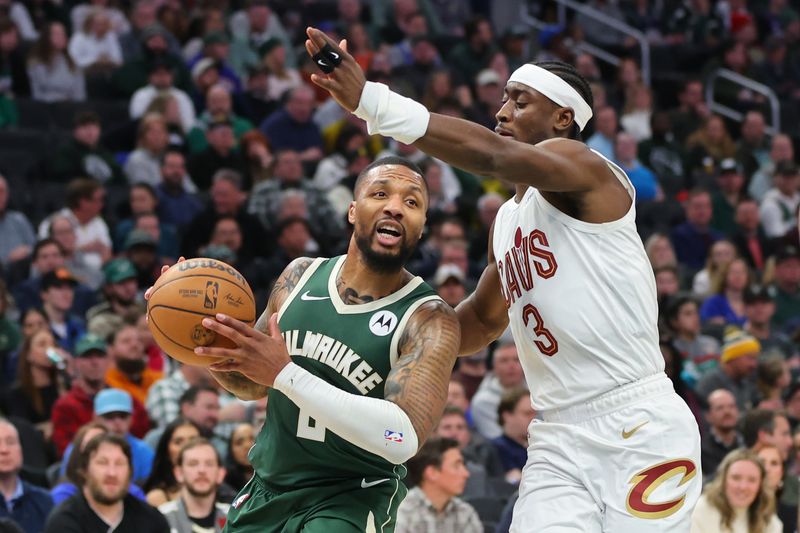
(627, 461)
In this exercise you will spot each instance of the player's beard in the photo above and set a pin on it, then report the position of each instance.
(383, 263)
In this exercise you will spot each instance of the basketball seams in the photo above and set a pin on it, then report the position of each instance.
(246, 289)
(192, 312)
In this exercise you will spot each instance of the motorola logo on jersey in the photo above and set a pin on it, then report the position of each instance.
(531, 253)
(382, 323)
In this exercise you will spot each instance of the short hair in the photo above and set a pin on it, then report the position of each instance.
(388, 160)
(94, 444)
(675, 303)
(41, 243)
(82, 118)
(430, 454)
(112, 336)
(72, 471)
(570, 74)
(191, 394)
(147, 187)
(757, 420)
(231, 176)
(196, 442)
(509, 401)
(172, 150)
(80, 189)
(451, 410)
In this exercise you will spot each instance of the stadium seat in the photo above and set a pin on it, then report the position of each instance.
(488, 509)
(34, 114)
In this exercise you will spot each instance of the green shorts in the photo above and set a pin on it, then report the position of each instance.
(339, 508)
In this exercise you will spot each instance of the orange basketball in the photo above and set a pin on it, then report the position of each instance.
(187, 293)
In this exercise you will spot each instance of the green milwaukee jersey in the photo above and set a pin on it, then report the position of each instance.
(352, 347)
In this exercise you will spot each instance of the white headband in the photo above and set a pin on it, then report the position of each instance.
(556, 89)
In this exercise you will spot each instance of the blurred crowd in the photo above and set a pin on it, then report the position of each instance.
(134, 132)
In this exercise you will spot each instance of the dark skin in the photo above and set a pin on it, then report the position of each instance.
(428, 346)
(568, 174)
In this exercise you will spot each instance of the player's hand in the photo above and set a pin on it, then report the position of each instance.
(258, 356)
(347, 80)
(164, 268)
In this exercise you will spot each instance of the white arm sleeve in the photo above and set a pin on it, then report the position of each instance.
(378, 426)
(391, 115)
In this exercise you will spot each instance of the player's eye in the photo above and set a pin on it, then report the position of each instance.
(521, 105)
(412, 202)
(379, 194)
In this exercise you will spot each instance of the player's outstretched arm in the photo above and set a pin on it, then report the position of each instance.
(561, 166)
(237, 383)
(483, 314)
(427, 353)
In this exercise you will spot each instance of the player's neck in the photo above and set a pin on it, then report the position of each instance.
(358, 283)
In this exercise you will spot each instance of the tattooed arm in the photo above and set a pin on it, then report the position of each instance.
(428, 349)
(237, 383)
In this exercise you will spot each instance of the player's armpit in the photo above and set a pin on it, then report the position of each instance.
(483, 315)
(427, 353)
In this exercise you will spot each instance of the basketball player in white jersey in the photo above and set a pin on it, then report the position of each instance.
(617, 450)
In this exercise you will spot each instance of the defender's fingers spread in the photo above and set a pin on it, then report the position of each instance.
(311, 48)
(221, 353)
(343, 45)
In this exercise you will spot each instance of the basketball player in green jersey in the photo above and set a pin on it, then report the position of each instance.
(357, 353)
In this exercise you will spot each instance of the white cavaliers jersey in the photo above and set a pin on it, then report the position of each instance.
(581, 299)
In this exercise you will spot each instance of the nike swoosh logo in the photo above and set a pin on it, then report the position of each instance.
(334, 55)
(308, 298)
(322, 62)
(365, 485)
(629, 434)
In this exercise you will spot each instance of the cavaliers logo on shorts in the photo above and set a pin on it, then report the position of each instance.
(646, 481)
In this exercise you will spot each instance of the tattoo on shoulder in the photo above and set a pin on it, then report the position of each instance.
(284, 285)
(428, 349)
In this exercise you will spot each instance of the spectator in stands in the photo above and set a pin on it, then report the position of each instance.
(779, 206)
(129, 370)
(736, 371)
(164, 396)
(506, 374)
(16, 233)
(693, 239)
(161, 486)
(281, 77)
(667, 283)
(144, 164)
(469, 56)
(95, 46)
(720, 255)
(106, 469)
(294, 239)
(700, 353)
(201, 405)
(438, 475)
(792, 402)
(142, 18)
(13, 71)
(216, 47)
(638, 111)
(691, 112)
(54, 76)
(730, 183)
(10, 338)
(71, 479)
(292, 126)
(238, 469)
(787, 287)
(141, 249)
(119, 23)
(227, 199)
(449, 282)
(83, 155)
(753, 146)
(25, 504)
(488, 206)
(722, 436)
(707, 147)
(764, 427)
(515, 414)
(737, 499)
(772, 380)
(85, 199)
(759, 308)
(726, 303)
(773, 464)
(664, 155)
(340, 169)
(660, 252)
(218, 105)
(256, 96)
(750, 240)
(144, 203)
(254, 26)
(780, 150)
(605, 132)
(200, 473)
(161, 80)
(642, 178)
(176, 203)
(119, 303)
(57, 291)
(257, 152)
(221, 154)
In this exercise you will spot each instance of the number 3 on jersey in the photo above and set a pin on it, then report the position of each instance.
(545, 341)
(308, 428)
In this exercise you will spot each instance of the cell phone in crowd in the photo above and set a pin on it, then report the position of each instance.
(56, 358)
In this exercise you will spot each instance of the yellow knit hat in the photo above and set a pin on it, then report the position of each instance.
(737, 343)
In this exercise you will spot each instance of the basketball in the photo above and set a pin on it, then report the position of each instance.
(187, 293)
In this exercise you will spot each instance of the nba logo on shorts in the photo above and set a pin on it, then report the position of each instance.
(392, 436)
(212, 289)
(382, 323)
(240, 500)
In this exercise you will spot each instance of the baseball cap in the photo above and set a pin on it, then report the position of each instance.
(139, 238)
(269, 45)
(487, 76)
(728, 165)
(112, 401)
(216, 37)
(757, 293)
(152, 30)
(447, 272)
(118, 270)
(201, 66)
(90, 343)
(787, 252)
(57, 278)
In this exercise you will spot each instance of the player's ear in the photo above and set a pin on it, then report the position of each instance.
(564, 118)
(351, 213)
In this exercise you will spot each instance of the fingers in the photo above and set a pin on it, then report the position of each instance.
(234, 324)
(223, 354)
(224, 330)
(326, 83)
(274, 329)
(343, 45)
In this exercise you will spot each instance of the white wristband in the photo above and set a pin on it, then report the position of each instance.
(377, 426)
(391, 115)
